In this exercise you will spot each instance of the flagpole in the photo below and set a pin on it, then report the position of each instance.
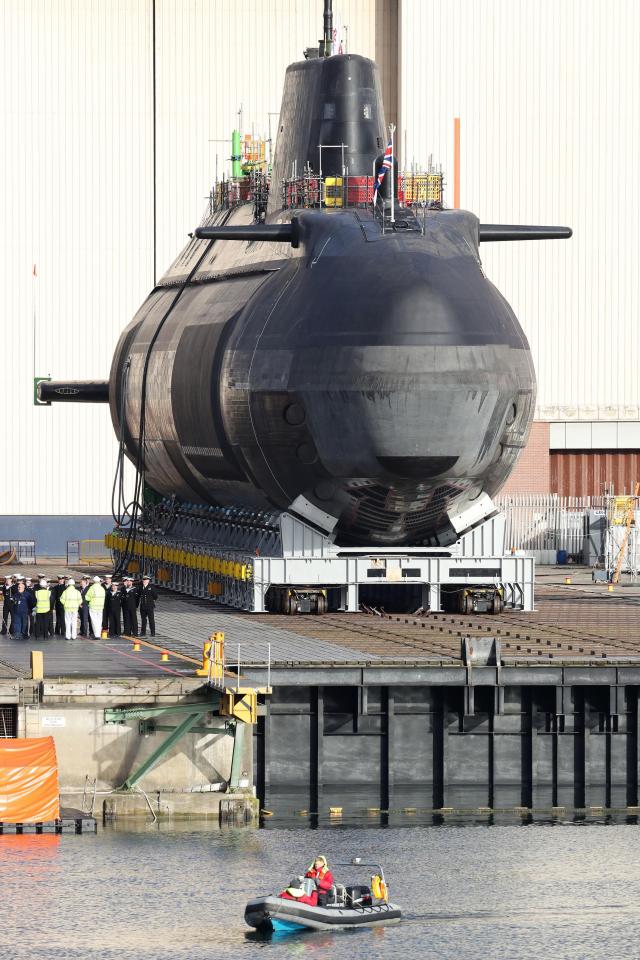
(392, 172)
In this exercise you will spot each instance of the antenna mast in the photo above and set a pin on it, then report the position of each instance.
(326, 44)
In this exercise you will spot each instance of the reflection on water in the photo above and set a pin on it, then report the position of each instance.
(473, 893)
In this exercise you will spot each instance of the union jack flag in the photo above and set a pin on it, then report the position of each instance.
(387, 163)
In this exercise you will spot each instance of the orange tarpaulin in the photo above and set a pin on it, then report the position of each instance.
(29, 791)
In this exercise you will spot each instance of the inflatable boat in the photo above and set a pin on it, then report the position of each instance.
(346, 907)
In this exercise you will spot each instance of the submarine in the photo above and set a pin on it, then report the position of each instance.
(332, 352)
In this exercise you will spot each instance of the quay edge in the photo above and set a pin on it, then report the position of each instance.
(192, 780)
(424, 737)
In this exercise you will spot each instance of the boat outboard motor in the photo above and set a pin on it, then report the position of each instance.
(358, 895)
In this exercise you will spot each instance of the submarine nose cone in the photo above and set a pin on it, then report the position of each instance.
(400, 393)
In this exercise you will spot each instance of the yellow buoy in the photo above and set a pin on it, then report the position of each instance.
(164, 656)
(136, 646)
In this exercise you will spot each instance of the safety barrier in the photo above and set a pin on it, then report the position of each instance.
(548, 522)
(423, 189)
(25, 550)
(92, 551)
(73, 552)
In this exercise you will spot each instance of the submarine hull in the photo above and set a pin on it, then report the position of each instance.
(373, 383)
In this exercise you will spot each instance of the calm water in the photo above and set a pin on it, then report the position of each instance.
(469, 893)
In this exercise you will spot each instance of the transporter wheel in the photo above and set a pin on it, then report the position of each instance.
(288, 605)
(465, 603)
(497, 604)
(321, 605)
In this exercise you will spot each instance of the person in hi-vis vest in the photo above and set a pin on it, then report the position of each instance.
(95, 598)
(43, 610)
(71, 600)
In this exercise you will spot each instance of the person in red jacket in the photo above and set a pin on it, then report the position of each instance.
(319, 871)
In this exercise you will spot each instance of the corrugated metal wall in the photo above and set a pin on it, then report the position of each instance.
(588, 473)
(75, 88)
(549, 99)
(387, 55)
(77, 177)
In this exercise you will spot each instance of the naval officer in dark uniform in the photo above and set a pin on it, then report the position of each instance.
(147, 596)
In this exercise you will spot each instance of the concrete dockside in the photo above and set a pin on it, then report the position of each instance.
(367, 712)
(95, 757)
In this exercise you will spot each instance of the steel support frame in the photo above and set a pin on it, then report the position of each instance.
(236, 757)
(160, 751)
(192, 713)
(166, 728)
(124, 714)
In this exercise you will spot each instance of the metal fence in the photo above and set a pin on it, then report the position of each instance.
(24, 551)
(73, 552)
(92, 551)
(87, 551)
(8, 722)
(548, 522)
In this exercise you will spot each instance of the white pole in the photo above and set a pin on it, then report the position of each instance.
(392, 171)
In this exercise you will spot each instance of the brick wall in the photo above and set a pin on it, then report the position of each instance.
(532, 473)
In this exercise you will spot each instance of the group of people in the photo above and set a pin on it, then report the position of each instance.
(37, 608)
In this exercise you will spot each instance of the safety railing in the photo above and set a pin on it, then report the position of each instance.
(424, 189)
(92, 551)
(548, 522)
(310, 190)
(17, 551)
